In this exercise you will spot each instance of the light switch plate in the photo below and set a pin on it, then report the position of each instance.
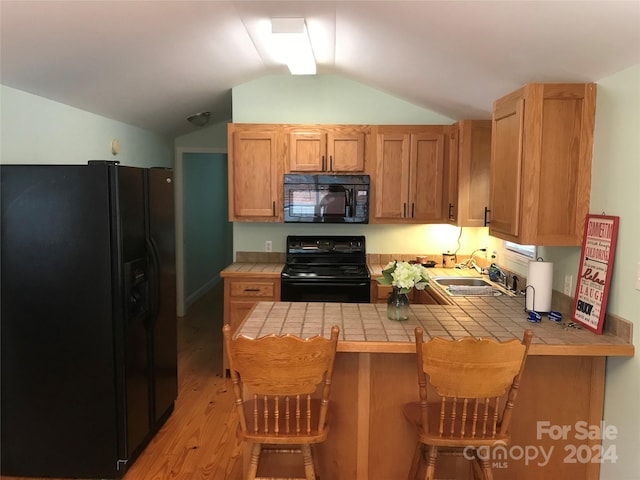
(638, 276)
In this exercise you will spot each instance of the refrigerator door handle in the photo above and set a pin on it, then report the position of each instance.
(154, 281)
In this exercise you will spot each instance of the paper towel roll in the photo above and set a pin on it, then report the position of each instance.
(540, 278)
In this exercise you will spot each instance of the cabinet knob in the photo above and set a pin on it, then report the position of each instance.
(451, 216)
(486, 216)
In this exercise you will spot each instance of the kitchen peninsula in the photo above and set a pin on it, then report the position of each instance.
(375, 374)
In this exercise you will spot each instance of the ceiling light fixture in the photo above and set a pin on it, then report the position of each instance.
(199, 119)
(290, 44)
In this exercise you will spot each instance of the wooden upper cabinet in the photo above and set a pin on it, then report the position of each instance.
(408, 180)
(468, 172)
(255, 173)
(391, 181)
(542, 139)
(330, 148)
(426, 177)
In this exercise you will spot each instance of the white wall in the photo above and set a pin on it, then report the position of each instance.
(38, 130)
(415, 239)
(323, 99)
(211, 136)
(616, 191)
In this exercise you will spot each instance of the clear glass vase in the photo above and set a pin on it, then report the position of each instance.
(397, 305)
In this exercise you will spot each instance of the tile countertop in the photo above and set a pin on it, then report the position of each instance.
(257, 269)
(365, 328)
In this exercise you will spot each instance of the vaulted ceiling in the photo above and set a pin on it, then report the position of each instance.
(154, 63)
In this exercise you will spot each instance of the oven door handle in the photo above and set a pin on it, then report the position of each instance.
(329, 283)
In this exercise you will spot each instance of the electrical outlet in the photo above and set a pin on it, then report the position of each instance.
(638, 276)
(568, 280)
(268, 246)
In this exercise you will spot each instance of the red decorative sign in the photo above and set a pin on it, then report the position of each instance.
(594, 277)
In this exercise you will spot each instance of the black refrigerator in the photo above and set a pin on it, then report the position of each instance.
(88, 316)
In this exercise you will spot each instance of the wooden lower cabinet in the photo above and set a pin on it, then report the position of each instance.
(380, 294)
(369, 438)
(240, 296)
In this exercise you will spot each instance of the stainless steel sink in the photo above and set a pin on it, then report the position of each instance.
(468, 286)
(465, 281)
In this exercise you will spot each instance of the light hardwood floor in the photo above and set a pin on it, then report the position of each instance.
(198, 441)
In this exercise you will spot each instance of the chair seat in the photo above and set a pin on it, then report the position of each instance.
(413, 415)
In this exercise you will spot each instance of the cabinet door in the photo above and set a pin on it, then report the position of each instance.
(307, 151)
(240, 296)
(335, 149)
(506, 168)
(426, 177)
(425, 297)
(381, 293)
(451, 175)
(392, 176)
(557, 151)
(254, 175)
(474, 163)
(238, 312)
(345, 151)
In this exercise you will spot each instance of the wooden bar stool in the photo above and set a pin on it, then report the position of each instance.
(281, 384)
(468, 400)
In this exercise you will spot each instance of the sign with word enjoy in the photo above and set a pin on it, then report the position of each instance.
(594, 276)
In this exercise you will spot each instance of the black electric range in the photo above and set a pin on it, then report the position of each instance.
(330, 268)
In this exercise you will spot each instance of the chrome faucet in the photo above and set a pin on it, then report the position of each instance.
(497, 275)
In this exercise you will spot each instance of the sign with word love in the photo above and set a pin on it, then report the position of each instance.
(594, 276)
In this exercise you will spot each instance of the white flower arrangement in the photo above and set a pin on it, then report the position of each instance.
(404, 276)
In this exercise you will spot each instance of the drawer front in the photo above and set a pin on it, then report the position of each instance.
(253, 289)
(382, 293)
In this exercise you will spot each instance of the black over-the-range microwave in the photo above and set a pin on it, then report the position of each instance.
(326, 198)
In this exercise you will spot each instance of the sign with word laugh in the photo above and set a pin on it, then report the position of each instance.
(594, 276)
